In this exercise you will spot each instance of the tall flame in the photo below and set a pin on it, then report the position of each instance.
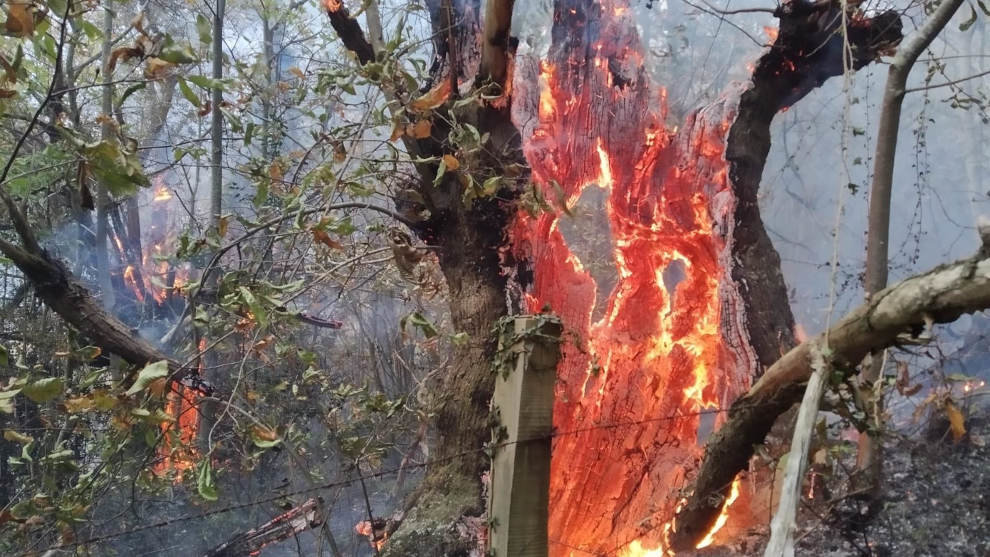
(662, 352)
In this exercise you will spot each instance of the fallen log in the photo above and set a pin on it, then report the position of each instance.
(938, 296)
(293, 521)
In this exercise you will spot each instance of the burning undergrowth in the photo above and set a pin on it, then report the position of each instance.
(661, 355)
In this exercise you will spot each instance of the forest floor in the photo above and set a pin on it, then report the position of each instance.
(935, 502)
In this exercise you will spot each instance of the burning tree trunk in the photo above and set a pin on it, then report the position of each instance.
(680, 204)
(700, 303)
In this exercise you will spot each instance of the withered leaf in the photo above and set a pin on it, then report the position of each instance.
(20, 18)
(957, 422)
(7, 93)
(451, 162)
(421, 129)
(322, 237)
(432, 99)
(156, 68)
(124, 54)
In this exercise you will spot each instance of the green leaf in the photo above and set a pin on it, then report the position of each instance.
(157, 417)
(188, 93)
(204, 28)
(249, 132)
(254, 305)
(43, 390)
(205, 82)
(983, 7)
(150, 372)
(440, 171)
(417, 320)
(205, 483)
(92, 32)
(57, 7)
(120, 171)
(261, 194)
(177, 53)
(7, 401)
(130, 91)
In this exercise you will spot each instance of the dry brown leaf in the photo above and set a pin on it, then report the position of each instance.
(421, 129)
(20, 18)
(297, 72)
(339, 152)
(124, 54)
(433, 98)
(207, 106)
(450, 162)
(158, 386)
(7, 93)
(322, 237)
(275, 172)
(397, 131)
(156, 68)
(11, 435)
(957, 422)
(78, 404)
(222, 225)
(264, 433)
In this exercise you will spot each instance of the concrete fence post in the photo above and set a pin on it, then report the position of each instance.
(518, 506)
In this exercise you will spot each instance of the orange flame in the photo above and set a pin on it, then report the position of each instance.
(771, 32)
(723, 517)
(656, 343)
(332, 5)
(162, 193)
(182, 405)
(131, 282)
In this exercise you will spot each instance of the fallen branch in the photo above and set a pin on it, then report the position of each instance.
(784, 521)
(941, 296)
(54, 284)
(295, 520)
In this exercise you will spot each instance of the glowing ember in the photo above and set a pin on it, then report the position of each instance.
(771, 32)
(332, 5)
(374, 531)
(662, 349)
(723, 517)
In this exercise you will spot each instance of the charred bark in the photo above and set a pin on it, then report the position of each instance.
(807, 51)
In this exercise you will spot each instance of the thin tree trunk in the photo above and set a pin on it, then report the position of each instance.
(208, 409)
(869, 459)
(102, 196)
(216, 129)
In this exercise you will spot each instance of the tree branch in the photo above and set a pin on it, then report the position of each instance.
(941, 295)
(349, 31)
